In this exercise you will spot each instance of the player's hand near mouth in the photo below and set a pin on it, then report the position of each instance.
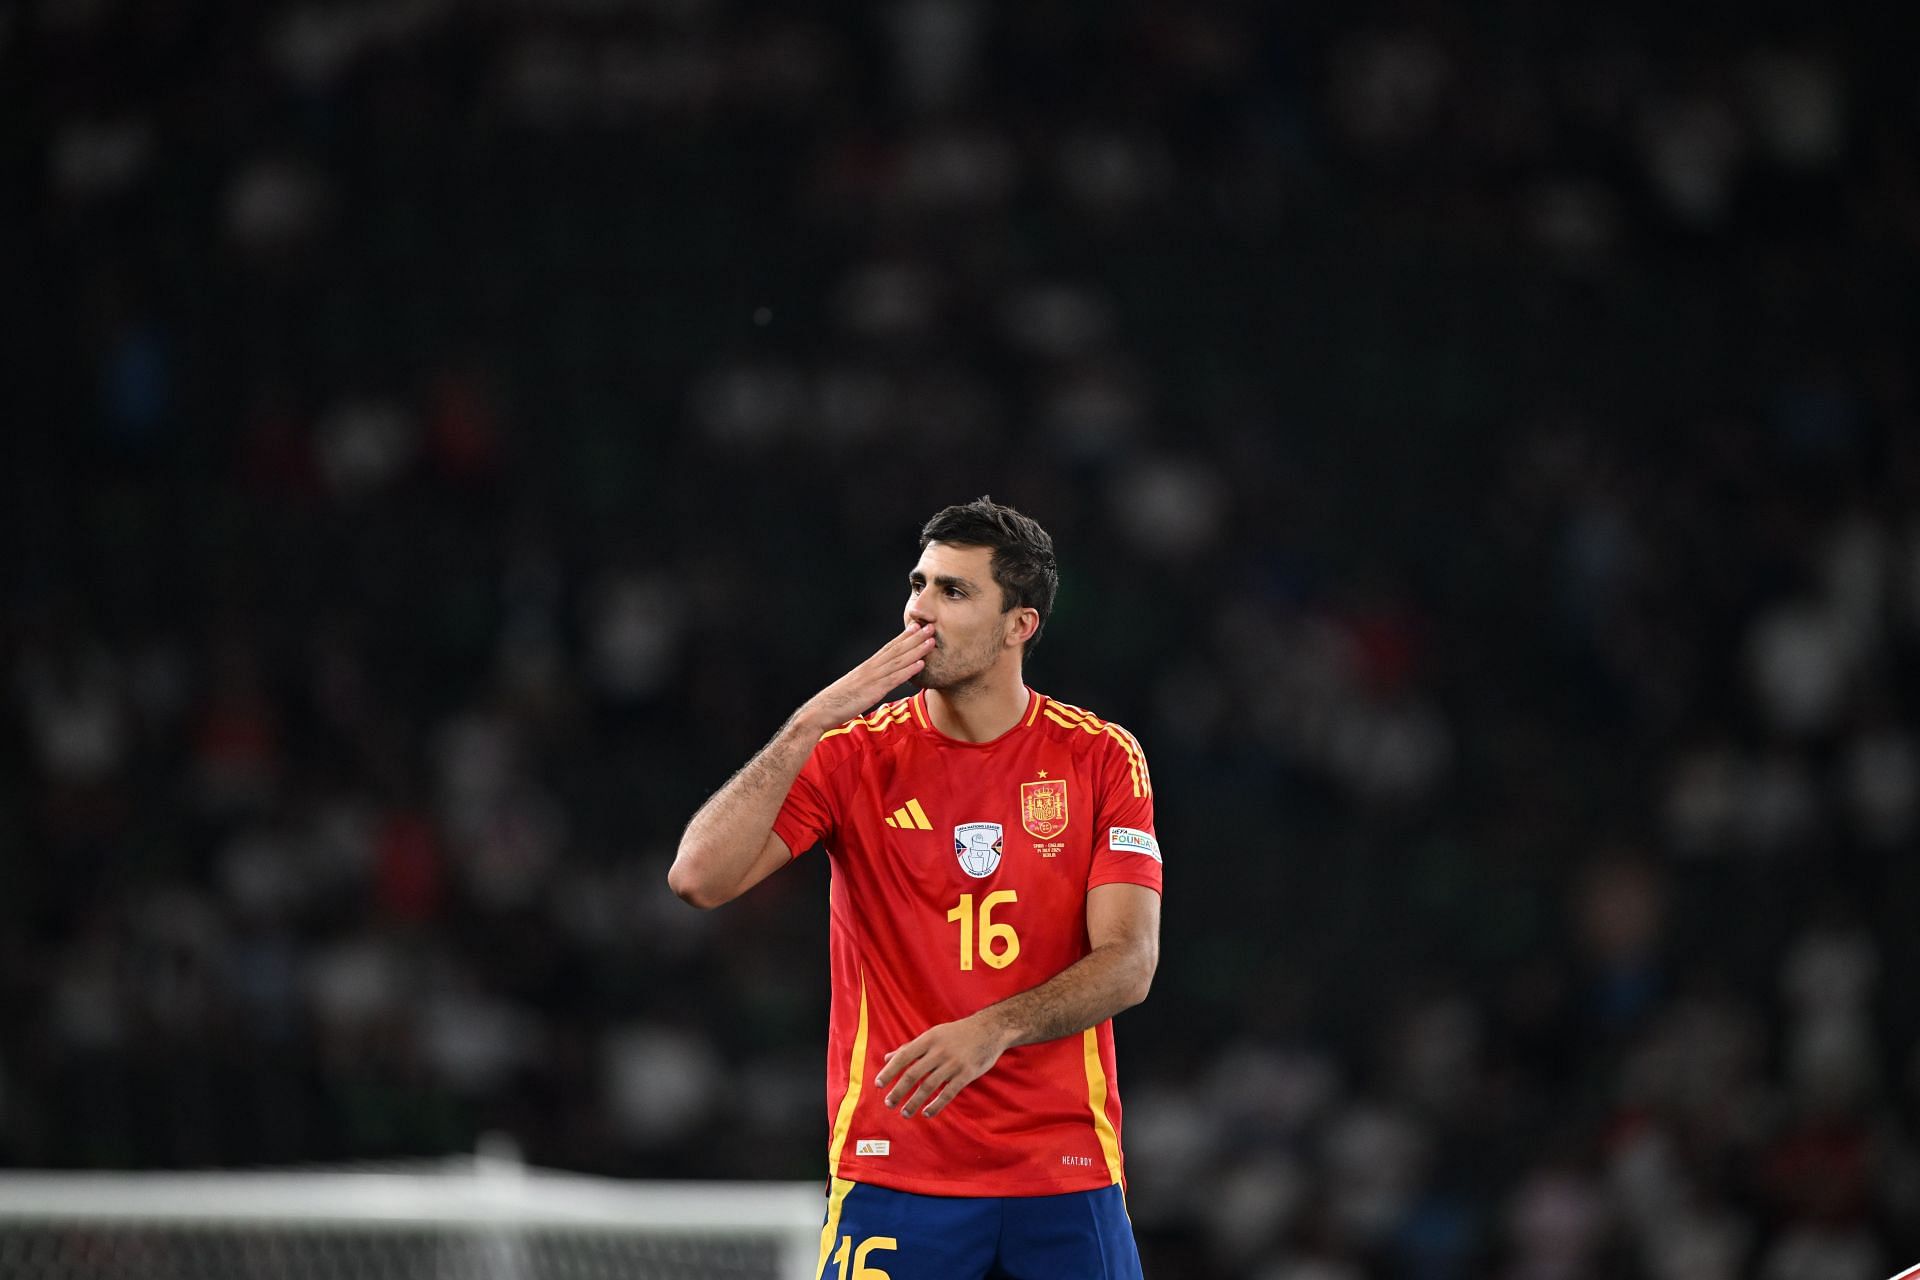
(728, 846)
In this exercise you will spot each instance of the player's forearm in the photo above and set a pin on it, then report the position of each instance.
(1101, 983)
(724, 839)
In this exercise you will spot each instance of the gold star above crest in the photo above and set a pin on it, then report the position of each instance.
(1043, 773)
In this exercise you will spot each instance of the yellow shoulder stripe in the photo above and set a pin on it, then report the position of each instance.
(1072, 712)
(881, 719)
(1065, 723)
(1136, 758)
(1136, 763)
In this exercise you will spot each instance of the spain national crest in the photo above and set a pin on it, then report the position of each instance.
(1043, 808)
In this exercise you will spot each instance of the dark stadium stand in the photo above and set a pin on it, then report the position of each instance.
(1485, 454)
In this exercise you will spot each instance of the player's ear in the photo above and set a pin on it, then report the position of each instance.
(1026, 621)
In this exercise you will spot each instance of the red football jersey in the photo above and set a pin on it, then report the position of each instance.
(960, 877)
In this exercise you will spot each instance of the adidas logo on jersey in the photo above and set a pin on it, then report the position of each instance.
(911, 817)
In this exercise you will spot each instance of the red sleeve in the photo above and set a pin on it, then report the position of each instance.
(806, 816)
(1126, 849)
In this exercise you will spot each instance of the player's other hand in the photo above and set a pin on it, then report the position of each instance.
(897, 660)
(923, 1075)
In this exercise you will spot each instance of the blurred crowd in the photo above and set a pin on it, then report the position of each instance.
(1483, 443)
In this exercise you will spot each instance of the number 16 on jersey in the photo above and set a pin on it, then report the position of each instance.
(999, 944)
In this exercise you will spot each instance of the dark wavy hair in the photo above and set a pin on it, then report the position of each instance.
(1023, 563)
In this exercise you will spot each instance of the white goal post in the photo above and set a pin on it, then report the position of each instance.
(481, 1220)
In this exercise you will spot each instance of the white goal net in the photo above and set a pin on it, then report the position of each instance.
(485, 1221)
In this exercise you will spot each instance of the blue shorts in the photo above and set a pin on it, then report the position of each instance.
(1082, 1235)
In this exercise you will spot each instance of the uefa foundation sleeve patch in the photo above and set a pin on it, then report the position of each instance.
(1128, 840)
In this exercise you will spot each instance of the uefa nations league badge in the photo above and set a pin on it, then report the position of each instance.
(978, 845)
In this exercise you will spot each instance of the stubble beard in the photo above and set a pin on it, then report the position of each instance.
(954, 673)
